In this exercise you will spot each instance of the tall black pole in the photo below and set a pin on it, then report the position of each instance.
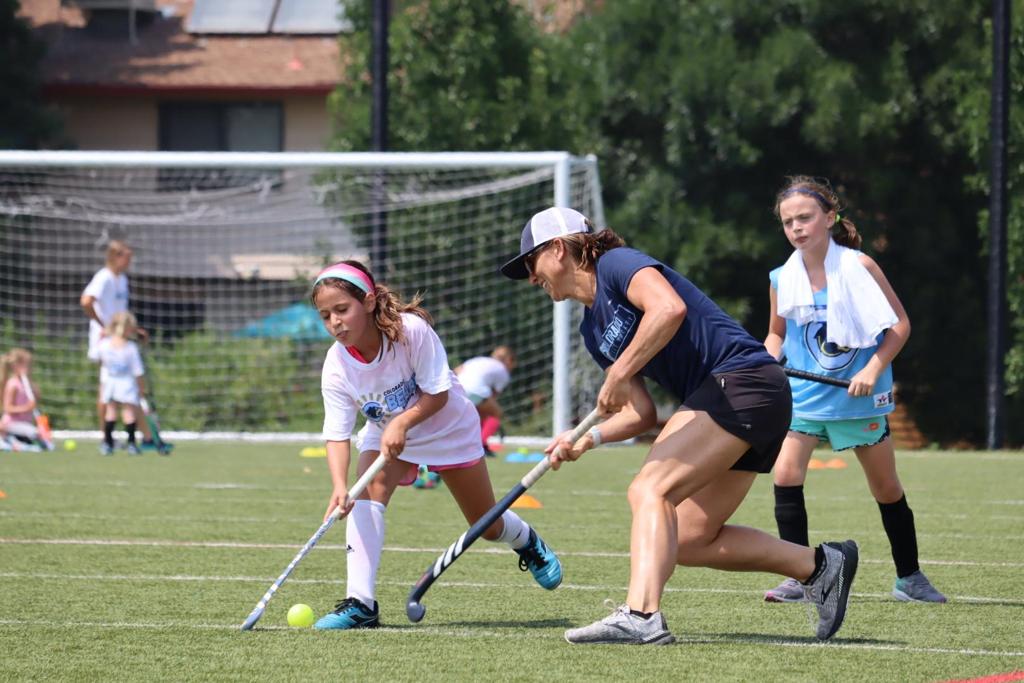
(997, 323)
(379, 131)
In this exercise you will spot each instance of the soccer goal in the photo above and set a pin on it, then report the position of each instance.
(225, 244)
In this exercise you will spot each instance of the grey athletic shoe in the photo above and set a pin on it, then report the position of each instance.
(789, 590)
(623, 628)
(830, 591)
(916, 588)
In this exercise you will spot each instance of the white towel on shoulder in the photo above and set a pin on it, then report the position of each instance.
(857, 308)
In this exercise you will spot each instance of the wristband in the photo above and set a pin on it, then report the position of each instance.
(595, 436)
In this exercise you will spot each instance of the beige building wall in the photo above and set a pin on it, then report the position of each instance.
(132, 123)
(110, 123)
(306, 124)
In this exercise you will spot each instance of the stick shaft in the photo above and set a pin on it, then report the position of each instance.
(474, 532)
(334, 515)
(823, 379)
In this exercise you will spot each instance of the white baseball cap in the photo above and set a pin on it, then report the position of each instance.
(544, 227)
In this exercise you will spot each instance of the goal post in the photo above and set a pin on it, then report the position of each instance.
(225, 244)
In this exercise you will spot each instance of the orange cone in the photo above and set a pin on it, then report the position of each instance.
(816, 464)
(2, 495)
(527, 501)
(836, 464)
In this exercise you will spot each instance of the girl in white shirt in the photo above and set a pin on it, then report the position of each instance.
(389, 365)
(123, 383)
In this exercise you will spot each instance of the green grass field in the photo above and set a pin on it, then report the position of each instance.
(143, 568)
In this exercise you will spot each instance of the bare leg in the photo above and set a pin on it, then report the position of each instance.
(382, 486)
(471, 488)
(791, 467)
(705, 540)
(879, 464)
(692, 452)
(131, 412)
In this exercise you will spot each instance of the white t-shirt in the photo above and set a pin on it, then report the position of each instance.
(393, 382)
(121, 365)
(111, 293)
(484, 376)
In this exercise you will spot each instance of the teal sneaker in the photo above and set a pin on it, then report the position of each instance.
(106, 449)
(541, 561)
(916, 588)
(350, 613)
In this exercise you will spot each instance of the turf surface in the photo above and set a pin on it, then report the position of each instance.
(144, 567)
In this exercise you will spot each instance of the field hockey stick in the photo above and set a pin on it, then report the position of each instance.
(42, 421)
(824, 379)
(153, 420)
(413, 609)
(335, 514)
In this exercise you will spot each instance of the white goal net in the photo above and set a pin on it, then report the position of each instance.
(224, 246)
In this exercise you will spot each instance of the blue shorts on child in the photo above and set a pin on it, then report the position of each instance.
(844, 434)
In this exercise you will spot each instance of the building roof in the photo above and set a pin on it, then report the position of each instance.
(166, 57)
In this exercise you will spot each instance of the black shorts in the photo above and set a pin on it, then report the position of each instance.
(755, 405)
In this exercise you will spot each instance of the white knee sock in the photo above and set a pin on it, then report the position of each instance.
(516, 532)
(364, 535)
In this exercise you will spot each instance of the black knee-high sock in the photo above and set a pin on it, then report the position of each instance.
(130, 428)
(108, 432)
(791, 514)
(898, 520)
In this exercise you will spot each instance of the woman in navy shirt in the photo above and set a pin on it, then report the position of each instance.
(643, 319)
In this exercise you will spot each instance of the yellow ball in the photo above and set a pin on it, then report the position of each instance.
(70, 444)
(301, 616)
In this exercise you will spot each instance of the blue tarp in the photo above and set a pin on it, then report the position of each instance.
(299, 322)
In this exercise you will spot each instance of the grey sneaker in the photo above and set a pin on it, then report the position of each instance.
(623, 628)
(106, 449)
(830, 591)
(916, 588)
(789, 590)
(133, 449)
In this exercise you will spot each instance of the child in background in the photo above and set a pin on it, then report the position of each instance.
(484, 378)
(833, 312)
(17, 426)
(123, 383)
(389, 365)
(106, 295)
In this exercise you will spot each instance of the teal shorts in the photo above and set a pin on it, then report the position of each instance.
(844, 434)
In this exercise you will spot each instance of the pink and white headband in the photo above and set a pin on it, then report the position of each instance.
(343, 271)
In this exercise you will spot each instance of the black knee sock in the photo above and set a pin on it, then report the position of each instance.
(791, 514)
(819, 564)
(130, 428)
(898, 520)
(108, 432)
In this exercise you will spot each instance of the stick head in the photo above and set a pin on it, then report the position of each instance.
(415, 611)
(251, 620)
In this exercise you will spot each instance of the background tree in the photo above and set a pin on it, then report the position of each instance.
(24, 122)
(699, 110)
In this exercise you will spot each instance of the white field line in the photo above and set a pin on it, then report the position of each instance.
(177, 519)
(316, 488)
(394, 549)
(170, 578)
(509, 634)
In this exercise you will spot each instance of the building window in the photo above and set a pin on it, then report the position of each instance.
(219, 127)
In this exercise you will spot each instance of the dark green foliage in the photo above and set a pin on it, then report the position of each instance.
(201, 382)
(697, 112)
(24, 122)
(464, 76)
